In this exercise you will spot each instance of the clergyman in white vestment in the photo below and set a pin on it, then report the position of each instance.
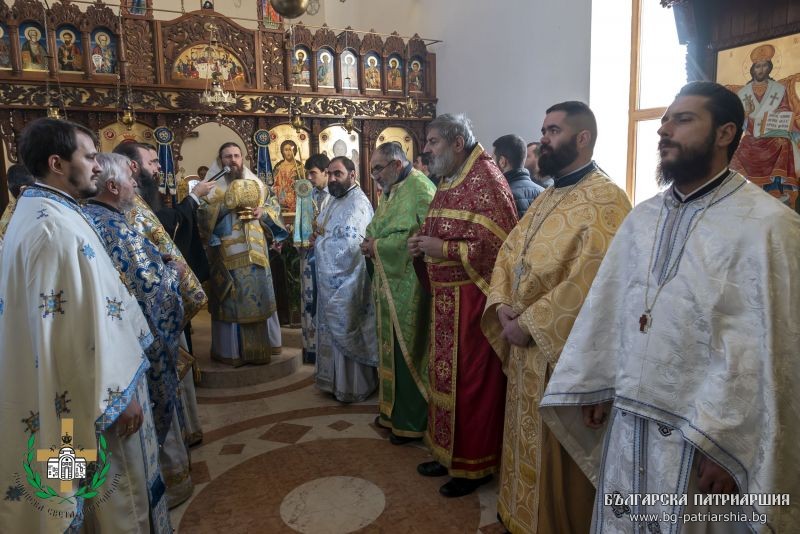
(347, 349)
(73, 348)
(680, 374)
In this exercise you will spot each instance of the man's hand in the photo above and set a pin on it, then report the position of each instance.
(506, 313)
(430, 246)
(713, 478)
(204, 188)
(258, 212)
(413, 246)
(368, 247)
(514, 334)
(312, 240)
(130, 420)
(595, 415)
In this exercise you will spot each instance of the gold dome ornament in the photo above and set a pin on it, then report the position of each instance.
(290, 8)
(243, 196)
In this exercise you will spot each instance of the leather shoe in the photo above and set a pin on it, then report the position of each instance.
(394, 439)
(432, 469)
(458, 487)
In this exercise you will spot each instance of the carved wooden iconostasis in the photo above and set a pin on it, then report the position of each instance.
(91, 59)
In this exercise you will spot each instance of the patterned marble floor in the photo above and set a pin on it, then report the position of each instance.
(285, 457)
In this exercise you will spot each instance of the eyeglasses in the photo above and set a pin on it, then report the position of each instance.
(375, 171)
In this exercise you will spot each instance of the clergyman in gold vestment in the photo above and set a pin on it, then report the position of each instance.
(540, 280)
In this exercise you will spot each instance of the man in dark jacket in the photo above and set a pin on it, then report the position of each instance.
(509, 154)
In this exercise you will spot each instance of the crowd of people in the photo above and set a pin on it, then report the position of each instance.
(511, 310)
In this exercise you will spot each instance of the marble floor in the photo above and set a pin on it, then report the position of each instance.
(285, 457)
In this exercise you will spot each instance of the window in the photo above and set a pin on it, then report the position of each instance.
(655, 65)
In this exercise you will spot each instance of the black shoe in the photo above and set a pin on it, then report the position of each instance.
(458, 487)
(394, 439)
(432, 469)
(377, 423)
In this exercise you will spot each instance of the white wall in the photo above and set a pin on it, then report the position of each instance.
(502, 62)
(202, 150)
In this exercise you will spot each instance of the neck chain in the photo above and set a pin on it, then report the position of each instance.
(522, 267)
(646, 319)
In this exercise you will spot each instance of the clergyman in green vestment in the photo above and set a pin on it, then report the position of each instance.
(402, 306)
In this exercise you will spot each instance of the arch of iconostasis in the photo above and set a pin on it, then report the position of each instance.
(89, 60)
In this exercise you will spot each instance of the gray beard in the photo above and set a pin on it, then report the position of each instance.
(443, 165)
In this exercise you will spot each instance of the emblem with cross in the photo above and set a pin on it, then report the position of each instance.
(66, 466)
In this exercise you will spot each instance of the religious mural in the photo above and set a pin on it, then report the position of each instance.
(136, 7)
(270, 17)
(69, 49)
(301, 67)
(766, 76)
(325, 68)
(202, 62)
(104, 52)
(33, 46)
(394, 74)
(372, 72)
(398, 135)
(288, 151)
(416, 80)
(5, 48)
(349, 67)
(334, 141)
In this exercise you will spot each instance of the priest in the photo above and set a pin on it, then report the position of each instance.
(73, 349)
(402, 306)
(469, 219)
(235, 221)
(347, 352)
(680, 373)
(539, 282)
(174, 455)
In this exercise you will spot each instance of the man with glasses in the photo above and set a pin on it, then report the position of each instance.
(347, 351)
(402, 307)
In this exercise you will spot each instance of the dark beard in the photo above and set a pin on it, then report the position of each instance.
(85, 191)
(338, 190)
(235, 174)
(692, 163)
(148, 189)
(551, 160)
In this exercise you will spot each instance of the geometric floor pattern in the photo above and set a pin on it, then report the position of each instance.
(285, 457)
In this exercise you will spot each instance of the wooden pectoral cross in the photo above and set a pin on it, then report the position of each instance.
(644, 322)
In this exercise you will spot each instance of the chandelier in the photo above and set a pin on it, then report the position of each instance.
(214, 95)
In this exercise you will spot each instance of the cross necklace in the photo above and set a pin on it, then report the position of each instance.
(646, 319)
(522, 267)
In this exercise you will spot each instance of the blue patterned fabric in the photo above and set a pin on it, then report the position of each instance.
(155, 287)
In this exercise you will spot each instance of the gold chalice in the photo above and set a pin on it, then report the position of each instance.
(243, 196)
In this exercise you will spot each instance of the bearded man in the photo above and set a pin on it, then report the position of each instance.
(402, 306)
(73, 348)
(234, 228)
(347, 352)
(539, 282)
(679, 376)
(469, 218)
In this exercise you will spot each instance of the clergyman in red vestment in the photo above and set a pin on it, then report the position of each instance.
(469, 218)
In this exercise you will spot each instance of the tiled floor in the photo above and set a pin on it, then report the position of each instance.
(284, 457)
